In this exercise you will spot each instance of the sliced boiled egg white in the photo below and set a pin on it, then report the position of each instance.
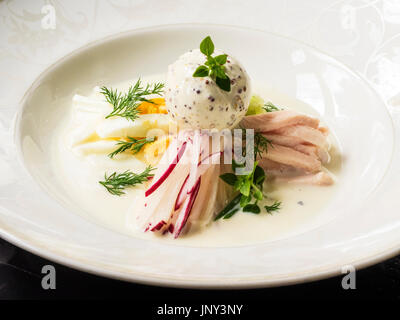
(91, 133)
(117, 127)
(91, 104)
(96, 147)
(87, 113)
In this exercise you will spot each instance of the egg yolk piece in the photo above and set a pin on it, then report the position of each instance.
(157, 105)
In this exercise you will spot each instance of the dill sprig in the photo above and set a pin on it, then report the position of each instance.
(132, 144)
(261, 144)
(270, 107)
(126, 105)
(249, 186)
(115, 183)
(276, 206)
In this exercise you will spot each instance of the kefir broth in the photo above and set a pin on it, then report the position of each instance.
(79, 176)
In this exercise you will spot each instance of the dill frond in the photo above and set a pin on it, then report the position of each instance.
(276, 206)
(126, 105)
(115, 183)
(270, 107)
(261, 144)
(132, 144)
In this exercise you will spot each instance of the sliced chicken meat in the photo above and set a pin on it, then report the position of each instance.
(276, 169)
(320, 179)
(304, 134)
(271, 121)
(291, 157)
(299, 146)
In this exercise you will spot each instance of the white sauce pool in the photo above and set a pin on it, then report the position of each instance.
(301, 204)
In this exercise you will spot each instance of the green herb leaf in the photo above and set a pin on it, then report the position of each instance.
(211, 62)
(245, 188)
(201, 71)
(207, 46)
(249, 186)
(253, 208)
(224, 84)
(276, 206)
(258, 194)
(115, 183)
(220, 72)
(236, 165)
(229, 178)
(245, 200)
(230, 207)
(259, 175)
(261, 144)
(221, 59)
(231, 213)
(214, 66)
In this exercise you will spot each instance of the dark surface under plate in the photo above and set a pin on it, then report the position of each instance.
(20, 278)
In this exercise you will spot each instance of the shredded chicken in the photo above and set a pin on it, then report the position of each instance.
(299, 146)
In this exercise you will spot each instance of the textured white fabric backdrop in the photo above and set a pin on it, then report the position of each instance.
(363, 34)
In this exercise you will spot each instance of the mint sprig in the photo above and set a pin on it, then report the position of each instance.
(250, 192)
(249, 186)
(214, 66)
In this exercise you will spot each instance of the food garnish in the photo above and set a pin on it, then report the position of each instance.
(126, 104)
(276, 206)
(288, 145)
(258, 106)
(115, 183)
(261, 143)
(270, 107)
(132, 144)
(156, 105)
(214, 66)
(250, 187)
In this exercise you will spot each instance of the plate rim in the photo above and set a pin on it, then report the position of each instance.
(209, 283)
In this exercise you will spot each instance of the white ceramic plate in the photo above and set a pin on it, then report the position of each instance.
(360, 226)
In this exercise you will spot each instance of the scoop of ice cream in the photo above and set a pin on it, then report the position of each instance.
(198, 103)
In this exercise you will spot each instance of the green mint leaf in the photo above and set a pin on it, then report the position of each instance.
(231, 213)
(211, 62)
(213, 67)
(230, 207)
(224, 84)
(221, 59)
(236, 165)
(207, 46)
(229, 178)
(253, 208)
(258, 194)
(245, 188)
(259, 175)
(201, 71)
(220, 72)
(245, 200)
